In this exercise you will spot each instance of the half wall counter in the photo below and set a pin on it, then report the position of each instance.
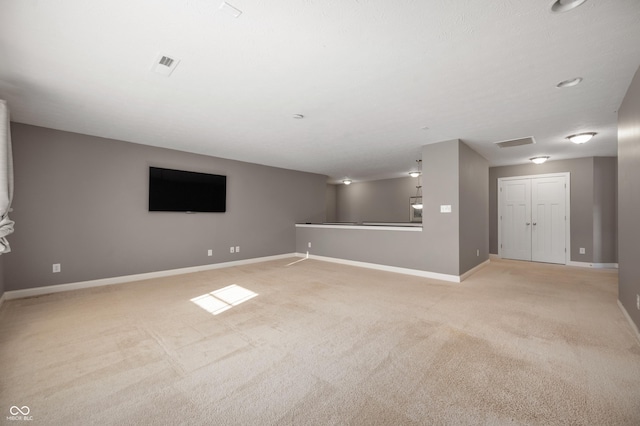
(396, 247)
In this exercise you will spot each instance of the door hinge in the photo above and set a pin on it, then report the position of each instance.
(500, 245)
(500, 189)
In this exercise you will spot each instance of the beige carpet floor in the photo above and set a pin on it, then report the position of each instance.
(315, 343)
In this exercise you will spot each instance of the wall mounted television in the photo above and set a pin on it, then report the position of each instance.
(183, 191)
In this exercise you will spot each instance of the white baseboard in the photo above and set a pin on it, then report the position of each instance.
(593, 265)
(574, 263)
(634, 327)
(387, 268)
(38, 291)
(474, 270)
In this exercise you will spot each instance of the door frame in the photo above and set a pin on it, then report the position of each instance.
(567, 209)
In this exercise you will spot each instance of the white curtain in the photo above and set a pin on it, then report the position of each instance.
(6, 178)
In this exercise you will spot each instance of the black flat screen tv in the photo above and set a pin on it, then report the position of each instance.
(182, 191)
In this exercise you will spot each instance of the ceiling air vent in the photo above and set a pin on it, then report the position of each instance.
(516, 142)
(164, 65)
(166, 61)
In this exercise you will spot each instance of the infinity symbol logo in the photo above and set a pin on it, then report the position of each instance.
(14, 410)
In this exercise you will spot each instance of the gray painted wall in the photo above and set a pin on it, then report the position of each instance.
(385, 200)
(395, 248)
(474, 208)
(453, 174)
(582, 202)
(629, 199)
(440, 185)
(331, 199)
(81, 201)
(605, 209)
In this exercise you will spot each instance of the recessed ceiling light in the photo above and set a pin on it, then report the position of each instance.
(347, 181)
(569, 83)
(539, 160)
(425, 127)
(581, 137)
(565, 5)
(298, 116)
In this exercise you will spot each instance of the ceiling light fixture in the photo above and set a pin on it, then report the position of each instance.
(565, 5)
(581, 137)
(417, 204)
(298, 116)
(569, 83)
(418, 172)
(539, 160)
(347, 181)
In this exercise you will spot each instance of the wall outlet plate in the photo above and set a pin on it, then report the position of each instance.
(237, 249)
(56, 267)
(232, 249)
(209, 252)
(582, 250)
(445, 208)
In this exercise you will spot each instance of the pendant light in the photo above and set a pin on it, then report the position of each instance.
(418, 199)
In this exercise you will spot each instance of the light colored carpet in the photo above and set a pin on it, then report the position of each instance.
(321, 343)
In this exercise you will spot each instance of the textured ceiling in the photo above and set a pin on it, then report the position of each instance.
(368, 76)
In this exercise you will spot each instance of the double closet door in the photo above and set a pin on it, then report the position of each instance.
(533, 218)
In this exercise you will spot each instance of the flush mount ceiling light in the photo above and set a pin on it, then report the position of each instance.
(417, 172)
(581, 137)
(347, 181)
(569, 83)
(298, 116)
(539, 160)
(565, 5)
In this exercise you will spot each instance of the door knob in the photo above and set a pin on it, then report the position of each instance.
(534, 224)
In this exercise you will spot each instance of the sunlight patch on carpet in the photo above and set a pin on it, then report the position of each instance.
(223, 299)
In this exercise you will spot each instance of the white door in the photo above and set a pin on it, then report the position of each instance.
(533, 219)
(548, 220)
(516, 219)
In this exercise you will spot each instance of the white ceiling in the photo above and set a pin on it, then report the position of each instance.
(368, 76)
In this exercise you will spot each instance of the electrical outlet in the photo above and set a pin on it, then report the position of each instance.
(638, 301)
(309, 245)
(237, 249)
(478, 252)
(445, 208)
(582, 250)
(209, 252)
(232, 249)
(56, 267)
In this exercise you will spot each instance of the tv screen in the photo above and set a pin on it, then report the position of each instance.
(182, 191)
